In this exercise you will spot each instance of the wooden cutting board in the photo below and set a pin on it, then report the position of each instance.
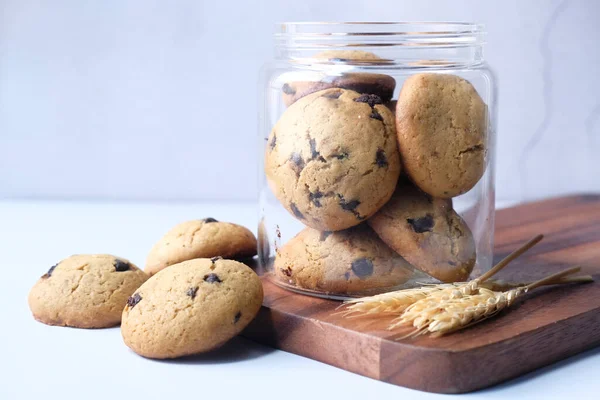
(549, 326)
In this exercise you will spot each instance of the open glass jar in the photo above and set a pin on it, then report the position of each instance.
(377, 150)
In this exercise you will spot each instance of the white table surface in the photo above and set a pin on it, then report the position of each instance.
(38, 361)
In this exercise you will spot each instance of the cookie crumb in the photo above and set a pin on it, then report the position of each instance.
(133, 300)
(212, 278)
(192, 292)
(121, 266)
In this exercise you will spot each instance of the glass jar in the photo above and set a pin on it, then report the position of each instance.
(377, 150)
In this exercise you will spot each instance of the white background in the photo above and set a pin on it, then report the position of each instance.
(155, 100)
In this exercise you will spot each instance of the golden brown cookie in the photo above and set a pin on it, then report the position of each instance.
(191, 307)
(202, 238)
(442, 133)
(85, 291)
(428, 233)
(351, 261)
(304, 83)
(332, 158)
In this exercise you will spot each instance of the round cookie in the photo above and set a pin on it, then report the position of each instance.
(332, 158)
(191, 307)
(203, 238)
(441, 125)
(428, 233)
(85, 291)
(349, 261)
(361, 82)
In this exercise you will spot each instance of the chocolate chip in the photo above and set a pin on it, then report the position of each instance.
(341, 156)
(376, 115)
(324, 235)
(362, 267)
(287, 89)
(347, 275)
(273, 142)
(192, 292)
(286, 271)
(133, 300)
(370, 99)
(237, 317)
(348, 205)
(121, 265)
(380, 159)
(296, 212)
(209, 220)
(333, 95)
(216, 258)
(422, 224)
(298, 162)
(315, 197)
(313, 150)
(50, 271)
(212, 278)
(450, 262)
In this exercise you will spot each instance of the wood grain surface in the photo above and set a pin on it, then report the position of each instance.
(547, 325)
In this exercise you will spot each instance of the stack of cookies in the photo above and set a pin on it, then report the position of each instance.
(372, 178)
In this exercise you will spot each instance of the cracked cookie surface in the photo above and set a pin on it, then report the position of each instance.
(203, 238)
(428, 233)
(351, 261)
(305, 83)
(442, 133)
(191, 307)
(85, 291)
(332, 158)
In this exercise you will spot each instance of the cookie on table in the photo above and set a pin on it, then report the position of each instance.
(202, 238)
(428, 233)
(332, 158)
(349, 261)
(85, 291)
(305, 83)
(441, 125)
(191, 307)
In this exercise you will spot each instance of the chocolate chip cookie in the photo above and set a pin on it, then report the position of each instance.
(332, 158)
(201, 238)
(351, 261)
(191, 307)
(442, 133)
(305, 83)
(85, 291)
(428, 233)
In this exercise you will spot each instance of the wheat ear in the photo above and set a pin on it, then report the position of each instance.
(446, 316)
(396, 302)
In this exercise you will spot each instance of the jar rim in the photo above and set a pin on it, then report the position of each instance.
(379, 34)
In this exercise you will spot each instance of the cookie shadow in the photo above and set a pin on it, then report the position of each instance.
(236, 350)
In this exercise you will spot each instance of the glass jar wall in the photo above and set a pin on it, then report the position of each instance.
(377, 157)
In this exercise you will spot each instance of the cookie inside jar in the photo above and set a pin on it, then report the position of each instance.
(376, 166)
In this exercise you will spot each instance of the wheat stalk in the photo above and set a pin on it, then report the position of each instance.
(441, 316)
(397, 302)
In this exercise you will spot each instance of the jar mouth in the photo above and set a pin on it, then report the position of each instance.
(395, 44)
(379, 34)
